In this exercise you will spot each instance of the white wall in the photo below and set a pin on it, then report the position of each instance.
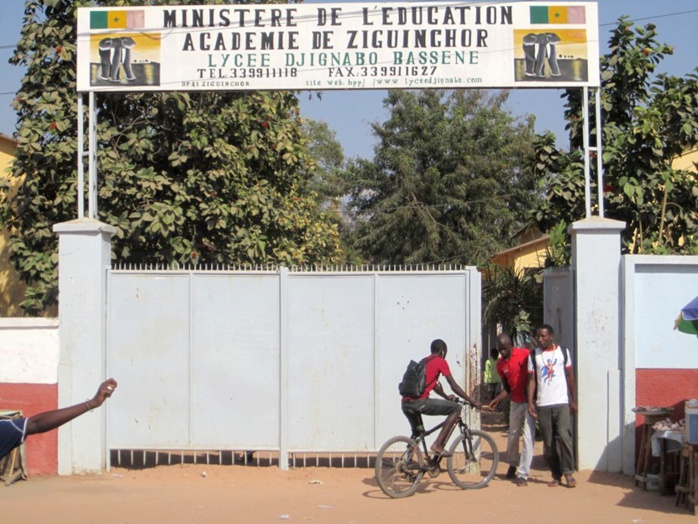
(661, 286)
(655, 288)
(29, 350)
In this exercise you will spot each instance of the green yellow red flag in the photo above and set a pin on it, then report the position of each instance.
(557, 14)
(132, 19)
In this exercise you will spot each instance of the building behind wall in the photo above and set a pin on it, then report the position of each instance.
(529, 252)
(11, 289)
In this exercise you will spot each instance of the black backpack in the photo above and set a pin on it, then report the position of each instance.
(414, 381)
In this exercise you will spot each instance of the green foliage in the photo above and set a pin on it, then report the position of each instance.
(328, 177)
(447, 182)
(559, 251)
(329, 181)
(217, 177)
(648, 122)
(513, 300)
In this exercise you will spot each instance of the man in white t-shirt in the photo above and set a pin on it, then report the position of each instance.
(552, 398)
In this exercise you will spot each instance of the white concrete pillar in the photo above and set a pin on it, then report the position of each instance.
(596, 258)
(84, 254)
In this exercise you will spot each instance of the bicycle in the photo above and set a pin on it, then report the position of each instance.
(402, 461)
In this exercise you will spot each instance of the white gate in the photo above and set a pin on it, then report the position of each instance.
(280, 362)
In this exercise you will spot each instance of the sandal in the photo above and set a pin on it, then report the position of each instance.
(571, 482)
(554, 484)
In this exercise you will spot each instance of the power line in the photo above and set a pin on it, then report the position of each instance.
(652, 17)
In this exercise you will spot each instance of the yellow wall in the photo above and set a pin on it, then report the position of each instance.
(11, 289)
(524, 256)
(686, 161)
(530, 253)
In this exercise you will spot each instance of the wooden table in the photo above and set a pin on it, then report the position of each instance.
(668, 449)
(645, 454)
(12, 465)
(688, 477)
(693, 473)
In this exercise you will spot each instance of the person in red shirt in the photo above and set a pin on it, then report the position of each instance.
(513, 368)
(413, 407)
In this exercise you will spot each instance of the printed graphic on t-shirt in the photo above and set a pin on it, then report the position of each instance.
(547, 373)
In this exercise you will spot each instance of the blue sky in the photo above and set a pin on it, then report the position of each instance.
(349, 113)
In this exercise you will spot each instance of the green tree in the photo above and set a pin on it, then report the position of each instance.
(329, 181)
(447, 183)
(218, 177)
(328, 176)
(514, 300)
(648, 121)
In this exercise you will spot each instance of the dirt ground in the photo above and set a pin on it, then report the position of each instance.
(196, 493)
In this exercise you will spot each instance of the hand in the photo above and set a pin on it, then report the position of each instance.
(493, 405)
(573, 407)
(477, 405)
(105, 391)
(450, 397)
(532, 411)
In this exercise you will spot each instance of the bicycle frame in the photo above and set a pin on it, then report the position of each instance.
(433, 459)
(401, 462)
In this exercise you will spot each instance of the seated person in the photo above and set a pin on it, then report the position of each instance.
(436, 366)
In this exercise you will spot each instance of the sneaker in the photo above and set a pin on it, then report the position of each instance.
(521, 482)
(511, 472)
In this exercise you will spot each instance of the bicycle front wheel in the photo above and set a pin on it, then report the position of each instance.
(399, 467)
(473, 461)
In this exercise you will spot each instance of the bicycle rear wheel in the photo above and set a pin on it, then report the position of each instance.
(399, 467)
(473, 461)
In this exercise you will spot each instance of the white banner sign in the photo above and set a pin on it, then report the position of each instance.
(338, 46)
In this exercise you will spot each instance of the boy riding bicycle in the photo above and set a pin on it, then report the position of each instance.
(436, 366)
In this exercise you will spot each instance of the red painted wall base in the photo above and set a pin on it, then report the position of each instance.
(664, 387)
(41, 450)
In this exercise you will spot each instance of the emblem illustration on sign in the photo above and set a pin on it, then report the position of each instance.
(115, 54)
(123, 58)
(552, 54)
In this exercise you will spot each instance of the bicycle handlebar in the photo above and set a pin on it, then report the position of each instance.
(464, 402)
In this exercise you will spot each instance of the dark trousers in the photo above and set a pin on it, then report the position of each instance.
(555, 427)
(414, 410)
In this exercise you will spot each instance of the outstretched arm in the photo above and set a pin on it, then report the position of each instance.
(49, 420)
(459, 391)
(502, 395)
